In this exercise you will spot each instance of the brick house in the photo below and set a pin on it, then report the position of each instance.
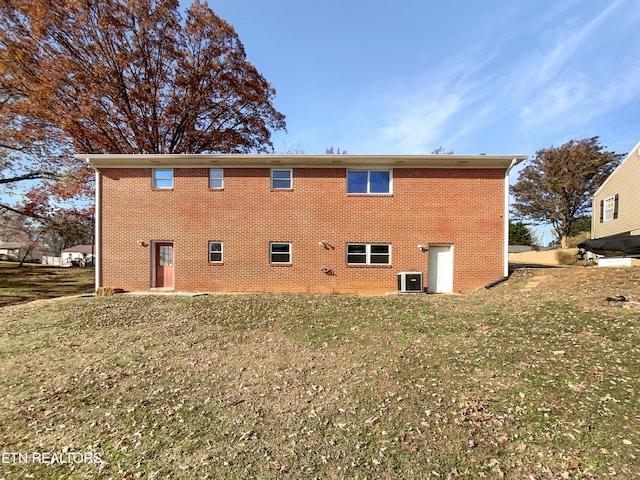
(300, 223)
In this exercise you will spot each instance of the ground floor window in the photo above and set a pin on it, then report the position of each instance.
(368, 254)
(279, 252)
(215, 252)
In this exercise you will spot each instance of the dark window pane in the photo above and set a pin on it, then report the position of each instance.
(281, 184)
(356, 182)
(280, 247)
(215, 257)
(379, 181)
(380, 259)
(379, 248)
(280, 258)
(355, 258)
(281, 173)
(356, 248)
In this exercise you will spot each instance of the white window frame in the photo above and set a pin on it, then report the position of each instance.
(272, 253)
(609, 208)
(368, 171)
(290, 179)
(221, 178)
(155, 180)
(368, 253)
(221, 251)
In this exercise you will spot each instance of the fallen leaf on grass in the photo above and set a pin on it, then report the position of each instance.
(371, 421)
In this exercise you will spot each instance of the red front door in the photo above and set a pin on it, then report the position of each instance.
(164, 265)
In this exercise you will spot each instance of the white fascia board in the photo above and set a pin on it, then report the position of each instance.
(275, 160)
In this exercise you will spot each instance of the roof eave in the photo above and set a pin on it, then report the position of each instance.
(274, 160)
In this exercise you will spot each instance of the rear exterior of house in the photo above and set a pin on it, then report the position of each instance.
(616, 204)
(300, 223)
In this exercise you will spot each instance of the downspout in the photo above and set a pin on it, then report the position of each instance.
(506, 217)
(97, 233)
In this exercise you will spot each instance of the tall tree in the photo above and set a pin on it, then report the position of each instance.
(580, 225)
(67, 230)
(118, 76)
(556, 185)
(23, 230)
(519, 234)
(131, 76)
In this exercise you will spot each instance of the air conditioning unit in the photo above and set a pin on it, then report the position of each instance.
(410, 282)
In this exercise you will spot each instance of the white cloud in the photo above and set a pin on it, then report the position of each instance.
(418, 121)
(515, 92)
(569, 43)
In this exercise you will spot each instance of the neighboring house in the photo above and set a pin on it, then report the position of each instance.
(15, 251)
(10, 251)
(300, 223)
(616, 204)
(77, 255)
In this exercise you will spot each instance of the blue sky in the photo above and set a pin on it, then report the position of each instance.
(409, 76)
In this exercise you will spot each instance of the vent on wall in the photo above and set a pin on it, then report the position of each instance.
(410, 282)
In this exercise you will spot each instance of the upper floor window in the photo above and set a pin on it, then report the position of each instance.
(163, 178)
(216, 178)
(281, 179)
(369, 181)
(368, 254)
(609, 208)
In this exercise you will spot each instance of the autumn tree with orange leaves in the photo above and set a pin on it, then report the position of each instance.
(118, 76)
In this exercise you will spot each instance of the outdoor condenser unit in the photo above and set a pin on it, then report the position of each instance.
(410, 282)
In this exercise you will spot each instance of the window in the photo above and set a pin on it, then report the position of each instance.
(215, 252)
(216, 178)
(163, 178)
(279, 252)
(369, 181)
(609, 208)
(281, 179)
(368, 254)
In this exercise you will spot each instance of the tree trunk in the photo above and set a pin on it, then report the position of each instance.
(24, 257)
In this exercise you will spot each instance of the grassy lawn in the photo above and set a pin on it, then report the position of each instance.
(513, 382)
(34, 282)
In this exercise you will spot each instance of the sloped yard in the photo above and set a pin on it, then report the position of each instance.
(536, 378)
(36, 282)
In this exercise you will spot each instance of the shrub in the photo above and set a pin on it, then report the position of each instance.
(572, 242)
(566, 257)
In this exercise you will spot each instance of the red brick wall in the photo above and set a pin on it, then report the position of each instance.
(463, 207)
